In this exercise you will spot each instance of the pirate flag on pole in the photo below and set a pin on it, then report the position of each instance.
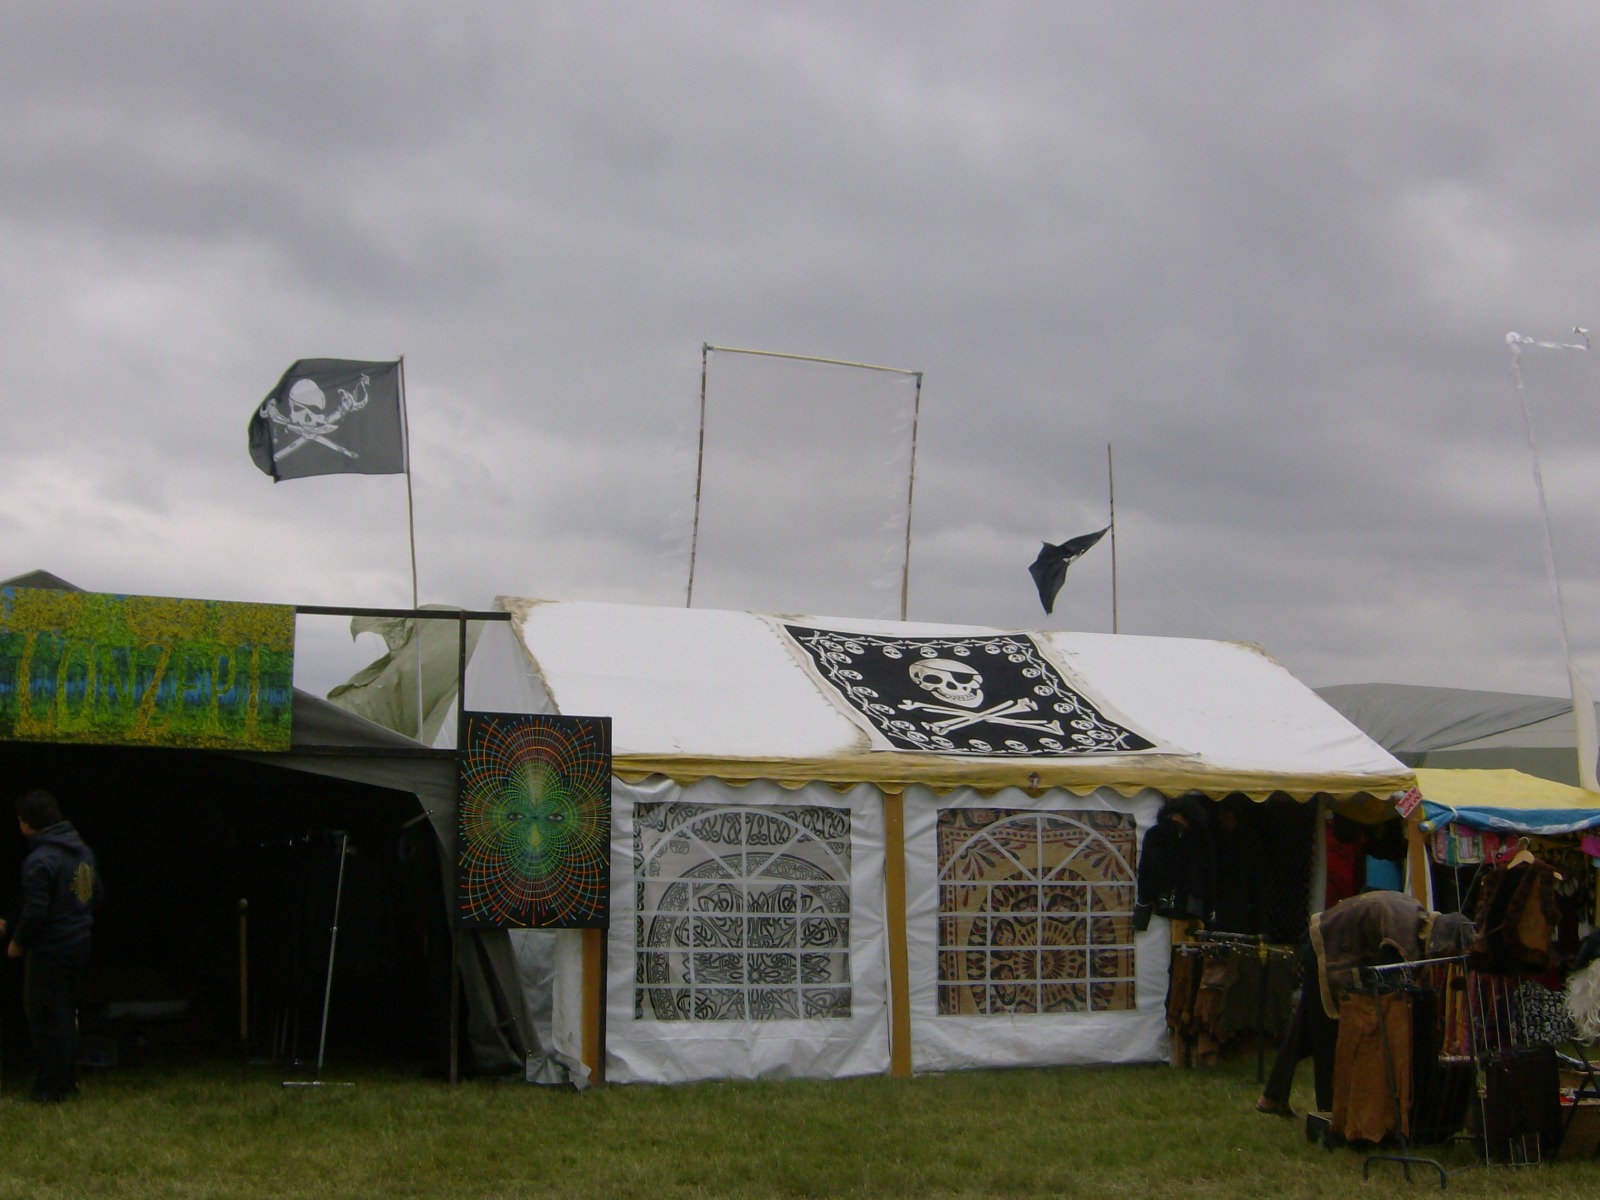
(1049, 570)
(331, 416)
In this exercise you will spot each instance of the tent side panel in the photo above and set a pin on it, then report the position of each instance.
(1020, 951)
(747, 933)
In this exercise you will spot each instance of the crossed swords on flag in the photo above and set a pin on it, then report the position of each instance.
(314, 427)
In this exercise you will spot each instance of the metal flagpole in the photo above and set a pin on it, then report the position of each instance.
(1583, 717)
(1111, 487)
(411, 530)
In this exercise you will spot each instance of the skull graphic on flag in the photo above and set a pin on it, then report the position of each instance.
(994, 695)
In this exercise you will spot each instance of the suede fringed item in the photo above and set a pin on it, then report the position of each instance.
(1516, 920)
(1370, 1082)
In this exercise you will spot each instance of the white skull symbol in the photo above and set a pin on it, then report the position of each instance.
(953, 682)
(306, 403)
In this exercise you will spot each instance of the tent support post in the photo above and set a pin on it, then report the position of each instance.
(1417, 859)
(894, 870)
(594, 1004)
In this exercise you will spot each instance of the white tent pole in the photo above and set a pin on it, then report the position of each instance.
(1583, 717)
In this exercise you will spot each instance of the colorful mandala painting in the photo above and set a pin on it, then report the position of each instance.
(533, 848)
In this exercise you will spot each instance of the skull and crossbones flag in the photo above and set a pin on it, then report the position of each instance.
(994, 695)
(1049, 570)
(331, 416)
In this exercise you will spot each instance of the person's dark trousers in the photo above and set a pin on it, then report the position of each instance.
(50, 997)
(1311, 1032)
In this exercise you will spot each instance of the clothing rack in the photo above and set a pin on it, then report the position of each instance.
(1398, 979)
(1485, 1020)
(1199, 994)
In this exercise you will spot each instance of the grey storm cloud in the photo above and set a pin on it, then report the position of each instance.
(1268, 252)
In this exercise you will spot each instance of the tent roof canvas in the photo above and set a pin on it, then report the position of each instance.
(705, 693)
(1504, 801)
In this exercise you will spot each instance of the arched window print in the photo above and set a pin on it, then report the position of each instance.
(743, 913)
(1035, 911)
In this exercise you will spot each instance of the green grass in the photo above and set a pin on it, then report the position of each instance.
(1148, 1132)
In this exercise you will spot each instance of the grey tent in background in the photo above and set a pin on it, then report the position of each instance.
(1459, 727)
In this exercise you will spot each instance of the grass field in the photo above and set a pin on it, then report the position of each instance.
(1150, 1132)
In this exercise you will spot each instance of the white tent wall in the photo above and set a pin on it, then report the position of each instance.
(950, 1042)
(653, 1050)
(713, 709)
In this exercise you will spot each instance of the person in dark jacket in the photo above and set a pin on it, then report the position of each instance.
(60, 889)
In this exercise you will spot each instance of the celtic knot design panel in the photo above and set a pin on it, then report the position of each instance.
(1035, 911)
(743, 913)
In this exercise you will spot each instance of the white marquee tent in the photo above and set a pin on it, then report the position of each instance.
(796, 892)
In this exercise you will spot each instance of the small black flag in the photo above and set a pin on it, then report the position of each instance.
(1049, 570)
(331, 416)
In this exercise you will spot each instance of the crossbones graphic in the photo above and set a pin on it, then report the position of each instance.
(999, 714)
(960, 686)
(305, 416)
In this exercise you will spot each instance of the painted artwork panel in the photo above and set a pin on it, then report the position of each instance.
(991, 696)
(744, 912)
(533, 848)
(100, 669)
(1017, 888)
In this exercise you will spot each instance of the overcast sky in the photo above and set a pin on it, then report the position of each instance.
(1269, 251)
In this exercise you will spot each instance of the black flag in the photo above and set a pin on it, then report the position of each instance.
(331, 416)
(1049, 570)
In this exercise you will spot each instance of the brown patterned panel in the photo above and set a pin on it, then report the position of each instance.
(1023, 896)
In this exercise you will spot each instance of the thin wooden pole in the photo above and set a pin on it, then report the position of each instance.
(699, 476)
(894, 871)
(594, 1004)
(455, 854)
(1111, 487)
(832, 362)
(700, 458)
(1417, 858)
(911, 493)
(411, 531)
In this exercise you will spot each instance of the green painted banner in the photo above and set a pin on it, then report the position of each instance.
(145, 671)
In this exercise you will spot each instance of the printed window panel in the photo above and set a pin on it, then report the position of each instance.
(1035, 911)
(743, 913)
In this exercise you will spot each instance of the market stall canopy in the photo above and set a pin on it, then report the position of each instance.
(697, 693)
(1504, 802)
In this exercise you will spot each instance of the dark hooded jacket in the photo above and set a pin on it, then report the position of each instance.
(60, 888)
(1177, 865)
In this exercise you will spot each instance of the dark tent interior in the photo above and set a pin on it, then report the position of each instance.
(189, 842)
